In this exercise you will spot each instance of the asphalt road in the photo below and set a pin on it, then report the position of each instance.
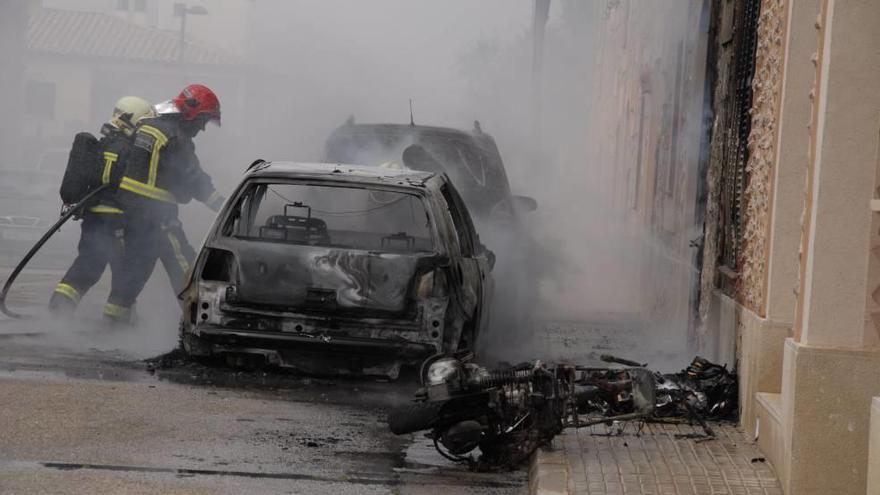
(82, 412)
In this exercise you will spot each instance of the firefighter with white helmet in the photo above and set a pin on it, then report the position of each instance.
(100, 242)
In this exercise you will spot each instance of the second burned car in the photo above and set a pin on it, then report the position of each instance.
(337, 268)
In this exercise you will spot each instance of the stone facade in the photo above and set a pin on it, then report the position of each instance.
(766, 96)
(721, 67)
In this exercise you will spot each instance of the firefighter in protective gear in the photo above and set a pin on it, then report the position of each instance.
(100, 242)
(163, 171)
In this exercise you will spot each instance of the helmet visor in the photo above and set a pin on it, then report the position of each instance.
(166, 107)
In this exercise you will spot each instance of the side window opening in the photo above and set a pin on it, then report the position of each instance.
(219, 266)
(242, 214)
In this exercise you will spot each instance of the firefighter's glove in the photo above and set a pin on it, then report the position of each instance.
(215, 202)
(65, 209)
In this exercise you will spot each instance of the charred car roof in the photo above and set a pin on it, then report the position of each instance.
(338, 172)
(470, 158)
(403, 129)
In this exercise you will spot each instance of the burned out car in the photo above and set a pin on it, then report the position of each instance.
(471, 159)
(338, 268)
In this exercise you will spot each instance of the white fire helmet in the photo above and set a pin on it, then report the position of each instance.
(128, 111)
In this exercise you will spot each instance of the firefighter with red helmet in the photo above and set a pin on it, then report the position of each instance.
(163, 171)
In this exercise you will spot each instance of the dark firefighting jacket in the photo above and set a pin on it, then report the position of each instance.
(115, 146)
(163, 171)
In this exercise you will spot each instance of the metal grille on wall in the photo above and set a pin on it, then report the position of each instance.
(737, 124)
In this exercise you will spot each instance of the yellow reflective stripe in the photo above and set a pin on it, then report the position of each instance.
(178, 253)
(105, 209)
(116, 311)
(161, 141)
(109, 160)
(142, 189)
(68, 291)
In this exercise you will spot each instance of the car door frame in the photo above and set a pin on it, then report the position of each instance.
(472, 266)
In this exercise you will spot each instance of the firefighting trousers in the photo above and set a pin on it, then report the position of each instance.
(100, 244)
(146, 242)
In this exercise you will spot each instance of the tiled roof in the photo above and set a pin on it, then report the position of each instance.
(93, 34)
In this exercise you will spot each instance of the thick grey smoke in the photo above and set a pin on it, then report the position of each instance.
(297, 69)
(615, 171)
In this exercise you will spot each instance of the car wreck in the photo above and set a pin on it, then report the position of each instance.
(338, 269)
(470, 158)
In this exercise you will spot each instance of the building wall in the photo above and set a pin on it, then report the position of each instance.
(649, 121)
(715, 280)
(766, 97)
(71, 86)
(814, 423)
(13, 33)
(746, 281)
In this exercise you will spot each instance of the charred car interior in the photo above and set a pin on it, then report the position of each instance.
(324, 267)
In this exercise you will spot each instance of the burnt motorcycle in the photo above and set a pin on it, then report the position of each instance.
(508, 413)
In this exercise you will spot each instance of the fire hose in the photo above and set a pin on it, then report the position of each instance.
(73, 210)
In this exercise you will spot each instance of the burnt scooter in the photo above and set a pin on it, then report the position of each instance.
(508, 413)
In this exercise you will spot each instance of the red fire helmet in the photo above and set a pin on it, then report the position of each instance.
(197, 99)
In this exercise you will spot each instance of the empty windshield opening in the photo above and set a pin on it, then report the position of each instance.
(456, 156)
(332, 216)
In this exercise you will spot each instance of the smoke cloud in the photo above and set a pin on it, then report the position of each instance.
(298, 69)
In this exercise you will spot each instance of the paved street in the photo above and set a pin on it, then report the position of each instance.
(83, 413)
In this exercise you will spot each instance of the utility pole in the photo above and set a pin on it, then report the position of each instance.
(541, 13)
(13, 43)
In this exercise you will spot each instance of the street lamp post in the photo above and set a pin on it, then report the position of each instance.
(182, 10)
(541, 13)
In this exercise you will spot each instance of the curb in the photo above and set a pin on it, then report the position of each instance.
(549, 472)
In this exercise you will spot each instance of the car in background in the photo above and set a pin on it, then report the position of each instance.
(330, 268)
(470, 159)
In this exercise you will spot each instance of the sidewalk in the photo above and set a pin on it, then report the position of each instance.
(589, 461)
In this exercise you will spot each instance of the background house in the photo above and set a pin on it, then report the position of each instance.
(80, 61)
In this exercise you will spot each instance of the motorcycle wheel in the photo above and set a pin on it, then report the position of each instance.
(415, 416)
